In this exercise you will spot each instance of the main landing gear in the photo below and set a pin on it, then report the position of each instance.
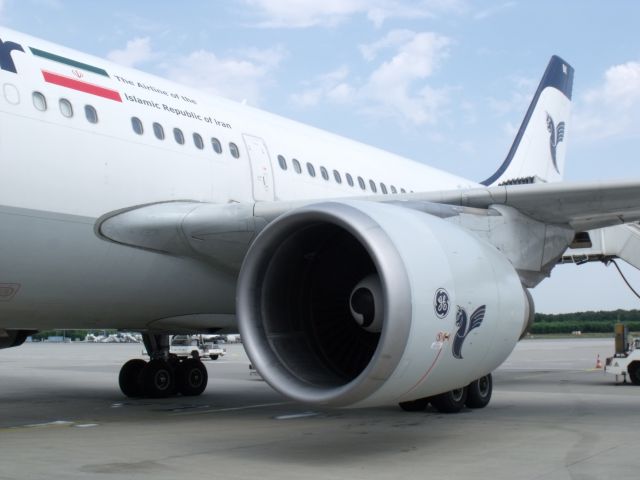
(475, 395)
(163, 375)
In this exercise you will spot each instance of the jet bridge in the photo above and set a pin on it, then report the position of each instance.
(606, 244)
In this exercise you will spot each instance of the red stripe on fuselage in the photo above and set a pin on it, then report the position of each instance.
(81, 86)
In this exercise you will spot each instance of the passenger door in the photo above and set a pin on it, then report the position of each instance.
(261, 172)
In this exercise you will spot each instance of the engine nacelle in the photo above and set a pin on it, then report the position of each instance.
(356, 303)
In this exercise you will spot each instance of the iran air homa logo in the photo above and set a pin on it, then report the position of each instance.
(556, 135)
(465, 326)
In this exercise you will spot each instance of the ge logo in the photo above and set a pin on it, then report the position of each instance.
(441, 303)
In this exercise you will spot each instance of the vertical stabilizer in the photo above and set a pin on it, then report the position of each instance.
(538, 151)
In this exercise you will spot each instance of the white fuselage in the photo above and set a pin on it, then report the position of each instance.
(61, 173)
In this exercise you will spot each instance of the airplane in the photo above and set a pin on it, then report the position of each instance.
(356, 277)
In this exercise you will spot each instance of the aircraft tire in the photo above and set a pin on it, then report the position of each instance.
(479, 392)
(191, 377)
(417, 405)
(634, 373)
(450, 402)
(129, 378)
(158, 379)
(213, 357)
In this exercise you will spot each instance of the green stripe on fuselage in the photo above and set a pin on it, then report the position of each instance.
(68, 61)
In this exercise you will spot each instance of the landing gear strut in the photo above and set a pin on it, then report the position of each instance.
(475, 395)
(164, 375)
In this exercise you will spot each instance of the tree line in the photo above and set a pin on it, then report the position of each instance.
(585, 322)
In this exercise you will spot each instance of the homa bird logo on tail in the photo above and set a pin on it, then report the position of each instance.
(465, 326)
(556, 135)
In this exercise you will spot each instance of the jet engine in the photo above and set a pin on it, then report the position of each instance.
(353, 303)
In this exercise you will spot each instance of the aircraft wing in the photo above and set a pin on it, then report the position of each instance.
(583, 206)
(222, 233)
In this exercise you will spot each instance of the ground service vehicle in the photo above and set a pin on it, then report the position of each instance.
(195, 346)
(625, 362)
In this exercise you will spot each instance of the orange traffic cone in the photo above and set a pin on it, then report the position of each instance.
(598, 362)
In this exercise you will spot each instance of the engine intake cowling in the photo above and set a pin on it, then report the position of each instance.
(356, 303)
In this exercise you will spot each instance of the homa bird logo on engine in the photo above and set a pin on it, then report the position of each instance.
(465, 327)
(441, 303)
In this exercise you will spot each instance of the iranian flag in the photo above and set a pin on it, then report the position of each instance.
(78, 72)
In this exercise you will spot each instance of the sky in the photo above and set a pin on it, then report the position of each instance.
(444, 82)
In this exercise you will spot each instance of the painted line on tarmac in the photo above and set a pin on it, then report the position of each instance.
(296, 415)
(52, 424)
(231, 409)
(55, 423)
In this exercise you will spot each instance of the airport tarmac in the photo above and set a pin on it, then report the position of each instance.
(552, 416)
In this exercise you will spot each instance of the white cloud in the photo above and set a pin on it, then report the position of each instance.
(305, 13)
(613, 108)
(329, 13)
(308, 98)
(517, 102)
(127, 21)
(137, 51)
(396, 87)
(392, 84)
(341, 93)
(240, 77)
(392, 39)
(493, 10)
(510, 129)
(331, 86)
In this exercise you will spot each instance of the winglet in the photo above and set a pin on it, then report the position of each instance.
(537, 152)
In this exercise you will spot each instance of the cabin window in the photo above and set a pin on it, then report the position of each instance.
(233, 148)
(282, 162)
(296, 166)
(361, 183)
(393, 189)
(217, 146)
(11, 93)
(336, 175)
(383, 187)
(158, 131)
(39, 101)
(91, 114)
(136, 123)
(324, 173)
(311, 169)
(66, 109)
(349, 179)
(178, 135)
(372, 184)
(197, 141)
